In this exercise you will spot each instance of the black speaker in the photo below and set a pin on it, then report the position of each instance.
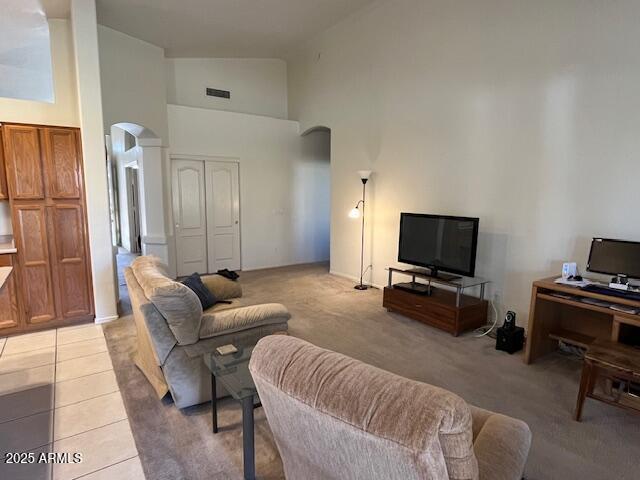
(510, 338)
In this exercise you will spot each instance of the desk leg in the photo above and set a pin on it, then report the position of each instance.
(544, 318)
(214, 404)
(615, 330)
(586, 387)
(248, 452)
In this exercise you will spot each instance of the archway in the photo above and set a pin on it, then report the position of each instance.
(314, 180)
(136, 194)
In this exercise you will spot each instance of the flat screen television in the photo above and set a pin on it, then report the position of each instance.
(615, 257)
(439, 242)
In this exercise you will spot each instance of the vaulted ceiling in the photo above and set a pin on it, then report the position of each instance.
(56, 8)
(224, 28)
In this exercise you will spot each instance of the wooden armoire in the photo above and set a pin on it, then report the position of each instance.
(45, 184)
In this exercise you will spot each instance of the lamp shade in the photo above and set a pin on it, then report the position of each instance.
(354, 213)
(364, 174)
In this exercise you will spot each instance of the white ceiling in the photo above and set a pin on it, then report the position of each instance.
(25, 52)
(56, 8)
(224, 28)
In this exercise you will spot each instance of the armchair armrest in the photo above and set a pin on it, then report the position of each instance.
(502, 447)
(243, 318)
(222, 288)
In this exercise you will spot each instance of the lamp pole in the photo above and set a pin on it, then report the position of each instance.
(362, 286)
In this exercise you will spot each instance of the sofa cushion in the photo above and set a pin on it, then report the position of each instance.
(236, 319)
(221, 287)
(177, 303)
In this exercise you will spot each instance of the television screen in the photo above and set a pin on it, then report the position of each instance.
(614, 257)
(439, 242)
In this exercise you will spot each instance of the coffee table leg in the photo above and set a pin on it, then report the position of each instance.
(248, 454)
(214, 404)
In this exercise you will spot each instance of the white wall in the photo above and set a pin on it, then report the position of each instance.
(134, 92)
(64, 110)
(133, 82)
(282, 190)
(525, 114)
(257, 86)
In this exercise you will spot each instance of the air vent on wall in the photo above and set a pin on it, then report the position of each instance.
(214, 92)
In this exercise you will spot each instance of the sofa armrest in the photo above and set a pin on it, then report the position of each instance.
(502, 447)
(222, 288)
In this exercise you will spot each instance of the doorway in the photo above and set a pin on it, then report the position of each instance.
(206, 214)
(133, 208)
(312, 188)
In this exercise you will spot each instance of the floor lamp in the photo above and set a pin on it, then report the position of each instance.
(356, 213)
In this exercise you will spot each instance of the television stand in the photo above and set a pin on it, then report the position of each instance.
(446, 307)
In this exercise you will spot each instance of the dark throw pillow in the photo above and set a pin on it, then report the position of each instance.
(207, 299)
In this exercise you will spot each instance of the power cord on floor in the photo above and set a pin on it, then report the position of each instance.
(366, 270)
(486, 330)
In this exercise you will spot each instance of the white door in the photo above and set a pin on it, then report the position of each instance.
(189, 216)
(223, 215)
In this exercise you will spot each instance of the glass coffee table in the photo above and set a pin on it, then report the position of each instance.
(232, 371)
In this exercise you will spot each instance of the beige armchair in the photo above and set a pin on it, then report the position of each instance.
(174, 332)
(334, 417)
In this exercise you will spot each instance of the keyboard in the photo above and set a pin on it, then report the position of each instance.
(602, 290)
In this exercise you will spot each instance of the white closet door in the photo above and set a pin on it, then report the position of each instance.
(189, 215)
(223, 215)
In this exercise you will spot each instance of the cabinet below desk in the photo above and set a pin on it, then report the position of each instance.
(558, 312)
(9, 312)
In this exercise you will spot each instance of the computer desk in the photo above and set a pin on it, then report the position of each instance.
(553, 318)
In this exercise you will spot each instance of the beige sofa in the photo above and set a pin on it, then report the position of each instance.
(174, 332)
(334, 417)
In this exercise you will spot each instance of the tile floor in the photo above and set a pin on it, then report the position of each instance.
(58, 393)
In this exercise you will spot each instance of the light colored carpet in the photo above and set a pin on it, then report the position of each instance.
(327, 311)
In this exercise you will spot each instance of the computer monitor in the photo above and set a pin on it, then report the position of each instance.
(614, 257)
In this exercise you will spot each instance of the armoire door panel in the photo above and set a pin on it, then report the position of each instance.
(71, 259)
(62, 163)
(33, 252)
(4, 192)
(23, 162)
(39, 303)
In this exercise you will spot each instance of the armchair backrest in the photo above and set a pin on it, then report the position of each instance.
(334, 417)
(177, 303)
(153, 331)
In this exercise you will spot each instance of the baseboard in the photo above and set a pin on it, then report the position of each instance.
(355, 279)
(108, 319)
(284, 265)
